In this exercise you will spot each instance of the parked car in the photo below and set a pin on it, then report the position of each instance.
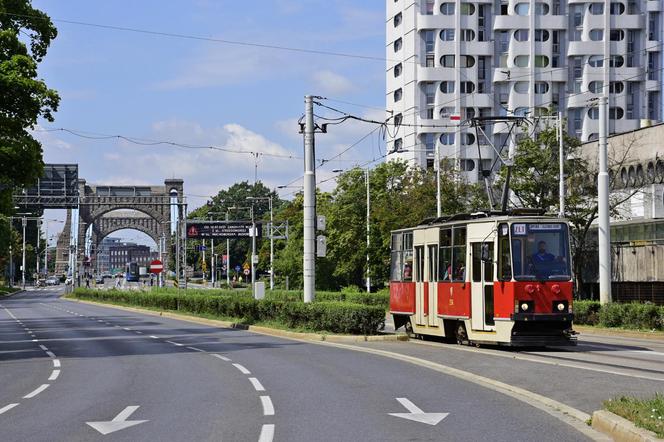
(99, 279)
(52, 280)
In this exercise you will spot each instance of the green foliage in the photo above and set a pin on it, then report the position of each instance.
(25, 34)
(644, 316)
(644, 413)
(331, 316)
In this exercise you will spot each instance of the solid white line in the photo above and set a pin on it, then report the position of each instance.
(195, 349)
(54, 375)
(56, 363)
(267, 433)
(241, 368)
(38, 390)
(43, 347)
(35, 340)
(257, 384)
(223, 358)
(175, 343)
(7, 408)
(268, 408)
(153, 337)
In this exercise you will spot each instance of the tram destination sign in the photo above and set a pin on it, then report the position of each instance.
(221, 229)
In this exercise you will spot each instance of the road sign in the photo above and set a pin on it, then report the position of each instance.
(238, 268)
(222, 229)
(246, 266)
(247, 272)
(224, 259)
(201, 248)
(156, 266)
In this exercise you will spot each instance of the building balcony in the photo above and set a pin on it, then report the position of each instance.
(436, 21)
(628, 21)
(477, 48)
(654, 5)
(435, 74)
(585, 48)
(501, 22)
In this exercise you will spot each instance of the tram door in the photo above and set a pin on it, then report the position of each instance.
(426, 277)
(481, 280)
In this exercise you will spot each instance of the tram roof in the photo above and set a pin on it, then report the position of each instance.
(520, 213)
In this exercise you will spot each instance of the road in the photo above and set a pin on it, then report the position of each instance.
(66, 364)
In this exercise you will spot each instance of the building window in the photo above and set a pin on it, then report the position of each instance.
(447, 8)
(397, 69)
(593, 137)
(398, 144)
(467, 9)
(467, 139)
(521, 87)
(428, 7)
(467, 61)
(397, 19)
(616, 61)
(467, 87)
(521, 61)
(541, 35)
(398, 118)
(447, 87)
(616, 87)
(596, 61)
(616, 113)
(447, 61)
(447, 35)
(447, 138)
(467, 165)
(596, 34)
(429, 142)
(596, 8)
(398, 43)
(593, 113)
(520, 111)
(541, 8)
(541, 87)
(617, 8)
(445, 112)
(617, 35)
(429, 61)
(595, 87)
(522, 8)
(467, 35)
(398, 94)
(430, 40)
(521, 35)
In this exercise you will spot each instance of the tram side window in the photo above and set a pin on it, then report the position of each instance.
(402, 257)
(407, 257)
(445, 256)
(459, 254)
(433, 260)
(504, 261)
(419, 263)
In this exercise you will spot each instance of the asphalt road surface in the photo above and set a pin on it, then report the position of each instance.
(70, 371)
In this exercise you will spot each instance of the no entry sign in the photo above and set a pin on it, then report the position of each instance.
(156, 266)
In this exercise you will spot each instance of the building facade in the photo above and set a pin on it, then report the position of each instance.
(121, 254)
(450, 59)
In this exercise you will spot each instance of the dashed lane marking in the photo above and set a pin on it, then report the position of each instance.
(175, 343)
(38, 390)
(267, 433)
(195, 349)
(50, 353)
(56, 363)
(257, 384)
(54, 375)
(7, 408)
(153, 337)
(242, 369)
(268, 408)
(223, 358)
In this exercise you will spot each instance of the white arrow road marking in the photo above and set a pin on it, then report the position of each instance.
(119, 422)
(417, 415)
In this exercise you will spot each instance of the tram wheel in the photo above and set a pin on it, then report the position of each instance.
(460, 334)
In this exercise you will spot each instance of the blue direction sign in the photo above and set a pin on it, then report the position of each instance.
(238, 268)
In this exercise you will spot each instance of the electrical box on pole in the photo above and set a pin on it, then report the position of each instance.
(321, 246)
(321, 223)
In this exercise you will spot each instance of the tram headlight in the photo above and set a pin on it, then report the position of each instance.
(524, 307)
(560, 306)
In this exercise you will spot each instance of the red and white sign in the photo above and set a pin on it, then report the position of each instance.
(455, 118)
(156, 266)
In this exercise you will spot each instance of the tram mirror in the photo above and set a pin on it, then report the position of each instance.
(485, 253)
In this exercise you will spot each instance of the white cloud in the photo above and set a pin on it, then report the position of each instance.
(328, 82)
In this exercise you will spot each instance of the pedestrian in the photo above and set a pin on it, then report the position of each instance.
(87, 282)
(117, 281)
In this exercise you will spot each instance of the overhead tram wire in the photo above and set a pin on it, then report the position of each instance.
(148, 142)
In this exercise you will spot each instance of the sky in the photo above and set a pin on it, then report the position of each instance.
(198, 92)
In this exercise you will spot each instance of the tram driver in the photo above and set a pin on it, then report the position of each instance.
(542, 255)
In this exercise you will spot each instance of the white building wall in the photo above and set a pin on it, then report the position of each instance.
(517, 57)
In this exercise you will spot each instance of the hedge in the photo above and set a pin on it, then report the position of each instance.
(632, 315)
(331, 316)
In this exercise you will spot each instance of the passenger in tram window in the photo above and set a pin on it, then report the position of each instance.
(408, 271)
(448, 272)
(460, 272)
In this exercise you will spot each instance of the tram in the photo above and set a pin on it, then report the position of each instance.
(132, 272)
(485, 278)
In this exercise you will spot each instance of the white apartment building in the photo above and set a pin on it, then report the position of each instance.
(516, 57)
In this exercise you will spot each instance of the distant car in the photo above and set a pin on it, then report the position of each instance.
(53, 280)
(68, 281)
(107, 276)
(99, 279)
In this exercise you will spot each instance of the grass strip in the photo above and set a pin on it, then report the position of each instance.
(644, 413)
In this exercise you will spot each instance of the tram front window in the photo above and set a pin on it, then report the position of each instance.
(540, 252)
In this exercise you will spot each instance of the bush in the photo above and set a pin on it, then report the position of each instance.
(633, 315)
(282, 307)
(586, 312)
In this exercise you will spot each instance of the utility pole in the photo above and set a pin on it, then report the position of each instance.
(177, 248)
(603, 206)
(271, 246)
(212, 262)
(11, 260)
(37, 249)
(184, 235)
(23, 223)
(228, 257)
(309, 264)
(438, 202)
(561, 165)
(369, 229)
(253, 252)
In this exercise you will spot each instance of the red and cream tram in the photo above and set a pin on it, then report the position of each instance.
(482, 278)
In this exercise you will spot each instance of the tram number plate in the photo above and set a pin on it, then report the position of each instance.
(519, 229)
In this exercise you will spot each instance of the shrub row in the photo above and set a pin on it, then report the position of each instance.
(335, 317)
(632, 315)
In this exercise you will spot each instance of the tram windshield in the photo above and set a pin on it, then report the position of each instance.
(540, 251)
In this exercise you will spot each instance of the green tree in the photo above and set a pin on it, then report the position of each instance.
(25, 98)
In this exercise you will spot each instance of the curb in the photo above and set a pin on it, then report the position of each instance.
(254, 328)
(618, 332)
(620, 429)
(569, 415)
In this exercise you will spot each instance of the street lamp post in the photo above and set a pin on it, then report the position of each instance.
(24, 221)
(271, 231)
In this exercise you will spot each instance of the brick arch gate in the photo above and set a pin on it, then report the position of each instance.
(97, 204)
